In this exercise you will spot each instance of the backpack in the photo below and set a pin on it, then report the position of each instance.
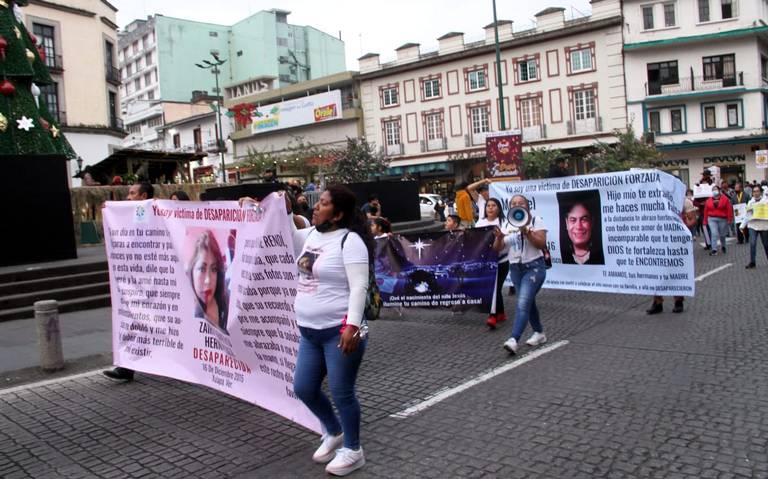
(373, 300)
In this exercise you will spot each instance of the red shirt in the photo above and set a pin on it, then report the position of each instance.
(724, 209)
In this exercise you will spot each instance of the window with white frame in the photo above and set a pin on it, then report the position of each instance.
(530, 112)
(584, 104)
(477, 80)
(732, 111)
(527, 70)
(389, 96)
(648, 17)
(727, 9)
(581, 60)
(434, 126)
(703, 10)
(669, 15)
(480, 119)
(431, 88)
(392, 133)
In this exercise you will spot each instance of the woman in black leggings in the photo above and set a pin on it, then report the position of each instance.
(493, 217)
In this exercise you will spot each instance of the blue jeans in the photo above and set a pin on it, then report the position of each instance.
(719, 229)
(319, 355)
(753, 234)
(528, 278)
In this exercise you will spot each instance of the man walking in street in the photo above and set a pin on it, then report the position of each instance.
(739, 197)
(138, 192)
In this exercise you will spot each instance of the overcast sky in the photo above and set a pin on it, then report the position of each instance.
(365, 25)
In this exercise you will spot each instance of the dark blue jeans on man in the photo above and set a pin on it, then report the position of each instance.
(320, 355)
(528, 278)
(753, 234)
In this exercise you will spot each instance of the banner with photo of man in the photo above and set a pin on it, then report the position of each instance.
(203, 292)
(437, 269)
(615, 232)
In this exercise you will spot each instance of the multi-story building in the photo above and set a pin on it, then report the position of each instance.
(158, 58)
(85, 93)
(563, 84)
(323, 112)
(697, 80)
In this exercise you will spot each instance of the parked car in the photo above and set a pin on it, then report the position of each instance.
(427, 203)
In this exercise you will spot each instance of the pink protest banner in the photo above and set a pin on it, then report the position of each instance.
(203, 292)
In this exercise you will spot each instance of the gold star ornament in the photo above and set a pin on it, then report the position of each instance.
(17, 32)
(54, 131)
(30, 55)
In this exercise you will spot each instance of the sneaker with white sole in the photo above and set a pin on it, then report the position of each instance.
(536, 339)
(511, 345)
(346, 461)
(328, 448)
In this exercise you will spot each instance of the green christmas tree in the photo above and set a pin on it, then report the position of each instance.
(26, 125)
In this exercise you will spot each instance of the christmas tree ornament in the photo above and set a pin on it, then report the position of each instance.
(25, 123)
(46, 126)
(54, 131)
(3, 4)
(7, 88)
(35, 93)
(3, 123)
(3, 46)
(30, 55)
(41, 52)
(17, 32)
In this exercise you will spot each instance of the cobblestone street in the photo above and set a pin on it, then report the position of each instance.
(628, 396)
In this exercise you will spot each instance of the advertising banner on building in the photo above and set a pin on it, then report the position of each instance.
(437, 269)
(761, 159)
(503, 151)
(302, 111)
(615, 232)
(203, 292)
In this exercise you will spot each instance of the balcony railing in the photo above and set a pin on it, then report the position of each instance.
(585, 126)
(534, 133)
(113, 75)
(434, 145)
(394, 150)
(116, 123)
(349, 103)
(695, 83)
(211, 146)
(55, 63)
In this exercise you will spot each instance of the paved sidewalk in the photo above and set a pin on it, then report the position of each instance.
(629, 396)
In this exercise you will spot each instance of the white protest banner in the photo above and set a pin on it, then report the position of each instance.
(614, 232)
(302, 111)
(203, 292)
(703, 190)
(739, 212)
(761, 159)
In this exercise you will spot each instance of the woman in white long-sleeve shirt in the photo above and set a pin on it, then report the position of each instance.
(333, 258)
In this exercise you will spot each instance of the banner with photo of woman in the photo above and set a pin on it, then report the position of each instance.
(203, 292)
(615, 232)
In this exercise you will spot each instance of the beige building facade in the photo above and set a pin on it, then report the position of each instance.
(85, 93)
(563, 85)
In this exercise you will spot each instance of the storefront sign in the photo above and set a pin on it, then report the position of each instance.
(725, 159)
(668, 163)
(303, 111)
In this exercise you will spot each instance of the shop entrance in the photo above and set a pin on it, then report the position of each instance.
(732, 173)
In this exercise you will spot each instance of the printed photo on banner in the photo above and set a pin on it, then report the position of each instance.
(207, 269)
(581, 239)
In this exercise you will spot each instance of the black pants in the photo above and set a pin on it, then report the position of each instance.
(740, 235)
(501, 275)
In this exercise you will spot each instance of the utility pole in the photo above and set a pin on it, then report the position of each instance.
(498, 69)
(214, 67)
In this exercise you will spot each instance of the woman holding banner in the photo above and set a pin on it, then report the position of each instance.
(754, 225)
(492, 217)
(528, 272)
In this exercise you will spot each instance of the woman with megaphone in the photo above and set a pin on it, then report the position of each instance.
(523, 239)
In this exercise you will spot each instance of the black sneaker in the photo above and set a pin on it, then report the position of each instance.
(119, 374)
(656, 308)
(750, 266)
(713, 253)
(678, 307)
(723, 249)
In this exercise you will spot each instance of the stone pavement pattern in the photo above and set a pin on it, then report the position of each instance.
(629, 396)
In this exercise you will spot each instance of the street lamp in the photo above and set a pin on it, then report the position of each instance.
(498, 70)
(214, 67)
(79, 165)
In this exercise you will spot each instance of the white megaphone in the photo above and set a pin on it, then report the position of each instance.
(518, 216)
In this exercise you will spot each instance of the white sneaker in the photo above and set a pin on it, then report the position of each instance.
(327, 448)
(536, 339)
(511, 345)
(346, 461)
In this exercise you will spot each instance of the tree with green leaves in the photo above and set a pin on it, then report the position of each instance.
(628, 152)
(537, 162)
(26, 125)
(357, 161)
